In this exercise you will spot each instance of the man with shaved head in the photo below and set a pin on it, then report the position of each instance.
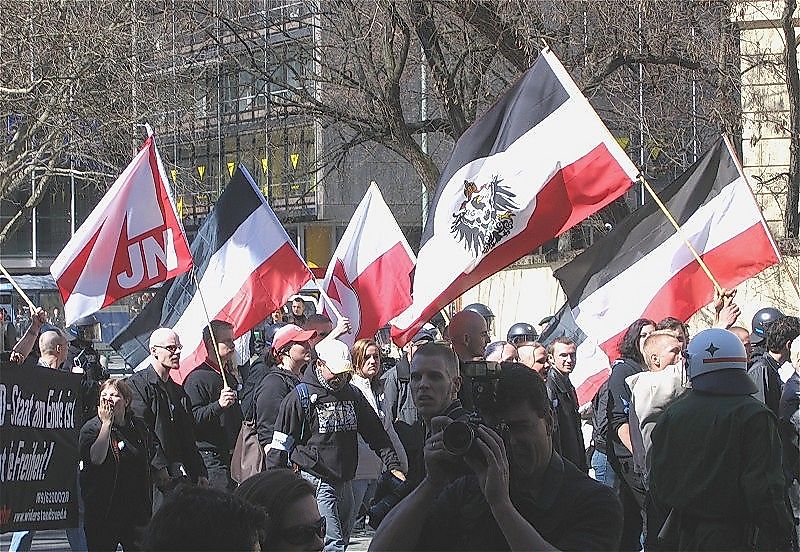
(53, 347)
(652, 391)
(501, 351)
(744, 337)
(468, 334)
(534, 355)
(165, 408)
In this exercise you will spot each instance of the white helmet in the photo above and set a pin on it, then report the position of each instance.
(718, 363)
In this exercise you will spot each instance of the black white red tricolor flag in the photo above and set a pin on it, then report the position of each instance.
(534, 165)
(643, 268)
(246, 265)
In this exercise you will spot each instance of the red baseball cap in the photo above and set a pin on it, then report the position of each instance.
(288, 333)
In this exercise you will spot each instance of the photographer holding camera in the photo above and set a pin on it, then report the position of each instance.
(434, 383)
(520, 495)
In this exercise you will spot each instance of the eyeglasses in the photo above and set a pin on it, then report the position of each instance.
(170, 348)
(303, 534)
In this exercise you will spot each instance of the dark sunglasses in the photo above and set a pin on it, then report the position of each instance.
(303, 534)
(170, 348)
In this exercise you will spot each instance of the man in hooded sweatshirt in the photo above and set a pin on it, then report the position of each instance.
(316, 430)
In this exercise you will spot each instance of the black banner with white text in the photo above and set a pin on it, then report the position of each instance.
(40, 416)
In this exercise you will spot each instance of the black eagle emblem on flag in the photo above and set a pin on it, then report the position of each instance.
(485, 216)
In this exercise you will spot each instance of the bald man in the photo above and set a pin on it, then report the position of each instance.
(165, 408)
(501, 351)
(744, 337)
(53, 348)
(469, 337)
(534, 355)
(468, 334)
(654, 390)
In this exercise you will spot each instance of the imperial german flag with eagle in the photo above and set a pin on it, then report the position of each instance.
(538, 162)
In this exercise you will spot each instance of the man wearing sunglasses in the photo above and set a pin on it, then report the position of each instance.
(165, 408)
(317, 429)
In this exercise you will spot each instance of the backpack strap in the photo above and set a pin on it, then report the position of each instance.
(305, 402)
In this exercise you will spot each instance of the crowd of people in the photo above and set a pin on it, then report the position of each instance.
(460, 443)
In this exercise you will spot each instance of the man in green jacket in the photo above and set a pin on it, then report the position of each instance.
(716, 458)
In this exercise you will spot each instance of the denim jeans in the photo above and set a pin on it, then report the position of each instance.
(335, 504)
(363, 491)
(21, 541)
(603, 472)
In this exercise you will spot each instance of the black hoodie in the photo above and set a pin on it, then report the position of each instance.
(326, 444)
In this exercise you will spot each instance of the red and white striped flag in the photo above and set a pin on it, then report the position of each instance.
(131, 241)
(369, 277)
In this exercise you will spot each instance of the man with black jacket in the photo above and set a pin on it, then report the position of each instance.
(603, 472)
(166, 410)
(215, 406)
(764, 371)
(519, 493)
(317, 428)
(568, 438)
(398, 402)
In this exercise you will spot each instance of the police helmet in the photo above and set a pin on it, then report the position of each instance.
(481, 309)
(86, 328)
(521, 332)
(718, 363)
(763, 318)
(484, 311)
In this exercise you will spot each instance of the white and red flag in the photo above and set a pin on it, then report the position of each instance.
(246, 266)
(534, 165)
(129, 242)
(369, 277)
(643, 268)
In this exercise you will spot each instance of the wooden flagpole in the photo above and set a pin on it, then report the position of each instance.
(16, 287)
(210, 329)
(327, 299)
(669, 216)
(781, 261)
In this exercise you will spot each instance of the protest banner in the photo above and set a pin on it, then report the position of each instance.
(40, 416)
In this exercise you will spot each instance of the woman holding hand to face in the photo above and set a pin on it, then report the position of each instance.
(115, 482)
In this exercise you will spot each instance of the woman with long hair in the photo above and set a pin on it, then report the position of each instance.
(618, 438)
(366, 378)
(115, 480)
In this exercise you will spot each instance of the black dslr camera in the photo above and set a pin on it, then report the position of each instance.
(479, 395)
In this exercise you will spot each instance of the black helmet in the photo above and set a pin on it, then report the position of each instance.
(86, 328)
(484, 311)
(481, 309)
(520, 332)
(763, 318)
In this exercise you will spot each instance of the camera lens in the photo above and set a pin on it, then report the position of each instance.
(457, 438)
